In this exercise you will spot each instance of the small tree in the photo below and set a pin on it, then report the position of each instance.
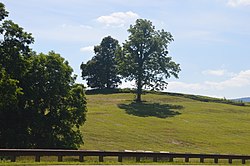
(101, 71)
(145, 57)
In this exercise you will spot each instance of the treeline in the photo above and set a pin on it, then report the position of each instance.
(143, 58)
(41, 106)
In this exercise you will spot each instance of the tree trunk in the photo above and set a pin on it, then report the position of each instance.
(138, 95)
(139, 87)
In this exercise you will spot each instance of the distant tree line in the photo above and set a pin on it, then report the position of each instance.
(41, 106)
(142, 58)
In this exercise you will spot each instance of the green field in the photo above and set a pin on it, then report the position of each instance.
(165, 122)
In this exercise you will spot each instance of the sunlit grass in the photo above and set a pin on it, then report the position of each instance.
(114, 123)
(161, 123)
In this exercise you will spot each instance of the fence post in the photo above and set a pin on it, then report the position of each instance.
(171, 159)
(243, 161)
(81, 158)
(138, 159)
(37, 159)
(120, 159)
(60, 158)
(155, 159)
(186, 159)
(216, 160)
(13, 158)
(202, 160)
(230, 161)
(101, 159)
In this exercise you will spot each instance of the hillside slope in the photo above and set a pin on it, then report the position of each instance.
(165, 123)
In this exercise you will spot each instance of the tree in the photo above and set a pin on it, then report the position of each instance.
(10, 128)
(41, 106)
(56, 105)
(145, 57)
(3, 12)
(101, 71)
(14, 54)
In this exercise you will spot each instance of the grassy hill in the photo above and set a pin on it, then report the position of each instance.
(166, 122)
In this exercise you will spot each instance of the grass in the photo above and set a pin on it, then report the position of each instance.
(165, 122)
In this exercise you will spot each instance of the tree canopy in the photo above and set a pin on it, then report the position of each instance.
(145, 57)
(56, 104)
(41, 106)
(101, 71)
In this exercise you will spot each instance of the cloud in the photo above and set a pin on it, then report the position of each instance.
(219, 72)
(236, 3)
(87, 49)
(214, 72)
(182, 86)
(239, 80)
(118, 18)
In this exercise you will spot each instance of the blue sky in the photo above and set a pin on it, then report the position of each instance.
(212, 37)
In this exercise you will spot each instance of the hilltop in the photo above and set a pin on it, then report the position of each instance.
(166, 122)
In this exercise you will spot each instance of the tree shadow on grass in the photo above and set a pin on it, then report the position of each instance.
(151, 109)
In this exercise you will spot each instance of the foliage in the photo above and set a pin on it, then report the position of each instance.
(3, 12)
(40, 104)
(9, 114)
(57, 105)
(101, 71)
(14, 52)
(145, 57)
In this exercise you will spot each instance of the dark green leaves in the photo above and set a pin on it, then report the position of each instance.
(3, 12)
(102, 71)
(145, 57)
(40, 104)
(55, 103)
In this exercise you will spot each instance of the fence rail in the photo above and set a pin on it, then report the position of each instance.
(38, 153)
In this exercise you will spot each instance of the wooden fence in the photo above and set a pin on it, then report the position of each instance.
(138, 155)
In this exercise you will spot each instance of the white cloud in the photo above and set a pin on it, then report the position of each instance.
(239, 80)
(118, 18)
(236, 3)
(214, 72)
(219, 72)
(182, 86)
(87, 49)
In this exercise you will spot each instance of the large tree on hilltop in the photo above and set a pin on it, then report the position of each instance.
(101, 71)
(145, 57)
